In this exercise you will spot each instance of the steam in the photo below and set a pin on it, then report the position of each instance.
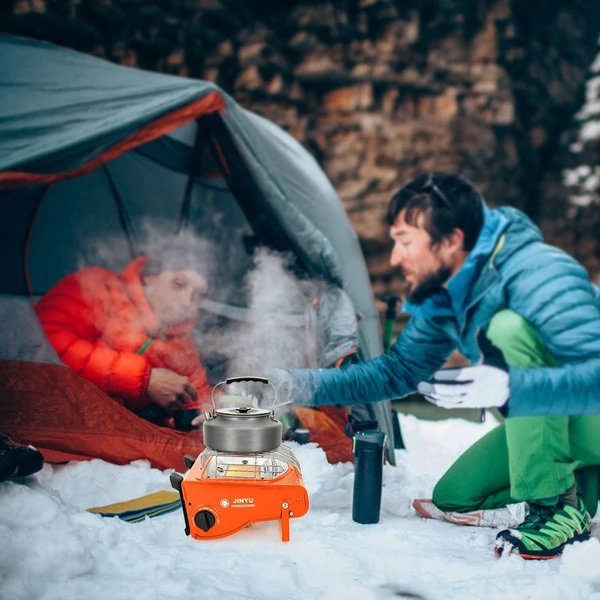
(258, 314)
(276, 329)
(149, 238)
(272, 335)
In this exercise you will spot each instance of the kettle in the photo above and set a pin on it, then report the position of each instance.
(242, 429)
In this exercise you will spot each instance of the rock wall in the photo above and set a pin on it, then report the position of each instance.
(378, 90)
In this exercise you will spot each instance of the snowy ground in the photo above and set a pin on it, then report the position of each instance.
(51, 548)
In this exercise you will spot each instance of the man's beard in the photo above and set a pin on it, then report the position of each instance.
(432, 285)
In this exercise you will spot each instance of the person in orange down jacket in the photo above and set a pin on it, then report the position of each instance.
(130, 334)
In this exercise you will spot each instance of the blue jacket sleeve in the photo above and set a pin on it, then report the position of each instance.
(553, 292)
(422, 348)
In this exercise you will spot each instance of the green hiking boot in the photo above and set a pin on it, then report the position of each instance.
(546, 531)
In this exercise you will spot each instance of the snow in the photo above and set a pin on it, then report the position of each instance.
(584, 180)
(595, 68)
(51, 548)
(592, 98)
(581, 199)
(576, 175)
(590, 128)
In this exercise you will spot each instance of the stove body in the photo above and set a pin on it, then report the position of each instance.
(224, 492)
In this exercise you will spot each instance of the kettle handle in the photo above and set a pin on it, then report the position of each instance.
(245, 378)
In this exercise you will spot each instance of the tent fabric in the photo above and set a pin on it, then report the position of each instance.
(60, 109)
(149, 132)
(308, 208)
(21, 334)
(336, 325)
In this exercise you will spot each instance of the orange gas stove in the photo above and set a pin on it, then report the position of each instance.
(244, 476)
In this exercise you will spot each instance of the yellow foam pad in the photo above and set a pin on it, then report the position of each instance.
(149, 503)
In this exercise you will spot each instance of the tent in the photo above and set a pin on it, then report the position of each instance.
(89, 149)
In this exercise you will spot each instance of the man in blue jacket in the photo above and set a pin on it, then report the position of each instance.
(528, 318)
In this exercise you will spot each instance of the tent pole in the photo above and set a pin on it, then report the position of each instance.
(245, 190)
(123, 216)
(197, 153)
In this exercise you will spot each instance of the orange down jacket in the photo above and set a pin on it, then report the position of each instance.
(98, 321)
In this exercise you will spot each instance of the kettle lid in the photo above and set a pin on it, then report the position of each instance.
(243, 411)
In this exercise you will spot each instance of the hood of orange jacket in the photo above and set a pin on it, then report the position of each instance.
(131, 276)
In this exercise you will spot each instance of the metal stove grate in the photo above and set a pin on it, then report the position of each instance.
(255, 466)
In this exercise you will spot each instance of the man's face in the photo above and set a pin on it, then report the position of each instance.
(175, 296)
(425, 266)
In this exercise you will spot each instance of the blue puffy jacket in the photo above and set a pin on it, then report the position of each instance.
(509, 267)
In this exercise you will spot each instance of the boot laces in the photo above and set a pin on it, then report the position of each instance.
(538, 515)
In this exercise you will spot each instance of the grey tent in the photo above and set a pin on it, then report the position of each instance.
(89, 149)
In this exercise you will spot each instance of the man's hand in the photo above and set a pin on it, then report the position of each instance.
(198, 421)
(480, 386)
(282, 380)
(170, 390)
(293, 387)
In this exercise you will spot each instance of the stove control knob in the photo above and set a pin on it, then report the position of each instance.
(205, 520)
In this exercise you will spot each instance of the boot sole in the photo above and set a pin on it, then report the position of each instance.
(546, 556)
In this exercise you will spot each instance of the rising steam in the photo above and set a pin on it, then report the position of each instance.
(274, 322)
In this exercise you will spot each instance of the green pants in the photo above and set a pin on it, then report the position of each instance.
(525, 458)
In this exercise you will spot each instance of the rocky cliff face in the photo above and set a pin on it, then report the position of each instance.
(380, 90)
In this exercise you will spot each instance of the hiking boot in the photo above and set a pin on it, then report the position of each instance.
(546, 531)
(17, 460)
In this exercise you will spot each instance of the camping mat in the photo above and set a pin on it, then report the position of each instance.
(137, 509)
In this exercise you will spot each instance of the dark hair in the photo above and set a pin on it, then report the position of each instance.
(447, 202)
(181, 253)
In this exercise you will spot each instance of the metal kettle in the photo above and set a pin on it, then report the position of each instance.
(243, 429)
